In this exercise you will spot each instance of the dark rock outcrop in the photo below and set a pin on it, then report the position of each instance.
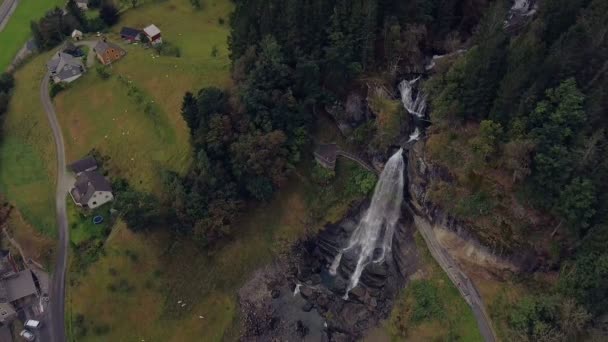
(317, 311)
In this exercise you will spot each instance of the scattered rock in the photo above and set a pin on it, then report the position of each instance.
(307, 307)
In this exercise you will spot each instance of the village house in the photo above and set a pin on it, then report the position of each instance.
(153, 34)
(91, 189)
(130, 34)
(65, 68)
(18, 289)
(108, 52)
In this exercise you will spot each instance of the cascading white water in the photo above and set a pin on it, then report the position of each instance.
(415, 135)
(376, 228)
(415, 106)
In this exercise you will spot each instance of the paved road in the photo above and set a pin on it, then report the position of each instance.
(57, 288)
(459, 278)
(6, 10)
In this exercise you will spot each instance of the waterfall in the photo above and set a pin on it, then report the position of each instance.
(297, 289)
(375, 230)
(415, 135)
(414, 105)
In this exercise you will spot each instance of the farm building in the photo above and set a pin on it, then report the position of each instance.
(153, 34)
(130, 34)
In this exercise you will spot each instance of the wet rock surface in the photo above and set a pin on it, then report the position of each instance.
(273, 310)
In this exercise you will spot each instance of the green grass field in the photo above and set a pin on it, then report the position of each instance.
(17, 31)
(431, 308)
(27, 152)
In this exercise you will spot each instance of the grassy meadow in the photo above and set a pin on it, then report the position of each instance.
(17, 30)
(27, 152)
(103, 114)
(431, 308)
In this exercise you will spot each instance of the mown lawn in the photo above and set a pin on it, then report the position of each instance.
(27, 151)
(17, 31)
(431, 308)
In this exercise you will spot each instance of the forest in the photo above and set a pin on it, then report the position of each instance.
(520, 117)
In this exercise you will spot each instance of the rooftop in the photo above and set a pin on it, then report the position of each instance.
(84, 164)
(152, 30)
(129, 32)
(19, 286)
(87, 183)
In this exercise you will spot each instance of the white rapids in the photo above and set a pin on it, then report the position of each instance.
(376, 228)
(414, 105)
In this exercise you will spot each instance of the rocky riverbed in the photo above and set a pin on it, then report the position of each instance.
(273, 310)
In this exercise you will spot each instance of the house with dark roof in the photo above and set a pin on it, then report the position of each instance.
(91, 190)
(326, 155)
(65, 68)
(108, 52)
(72, 49)
(17, 291)
(130, 34)
(87, 163)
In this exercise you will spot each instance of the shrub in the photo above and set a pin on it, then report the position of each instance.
(220, 21)
(56, 88)
(103, 72)
(362, 182)
(427, 304)
(321, 175)
(167, 49)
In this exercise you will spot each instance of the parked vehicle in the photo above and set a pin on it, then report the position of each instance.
(28, 336)
(32, 324)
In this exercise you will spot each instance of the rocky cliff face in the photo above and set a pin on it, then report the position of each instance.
(455, 236)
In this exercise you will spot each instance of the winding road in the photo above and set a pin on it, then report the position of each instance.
(462, 282)
(57, 288)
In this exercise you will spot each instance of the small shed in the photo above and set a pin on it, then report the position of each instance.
(130, 34)
(326, 154)
(153, 34)
(76, 35)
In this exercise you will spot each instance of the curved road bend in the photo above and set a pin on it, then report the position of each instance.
(459, 278)
(57, 288)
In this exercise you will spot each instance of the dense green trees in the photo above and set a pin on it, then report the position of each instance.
(51, 29)
(533, 103)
